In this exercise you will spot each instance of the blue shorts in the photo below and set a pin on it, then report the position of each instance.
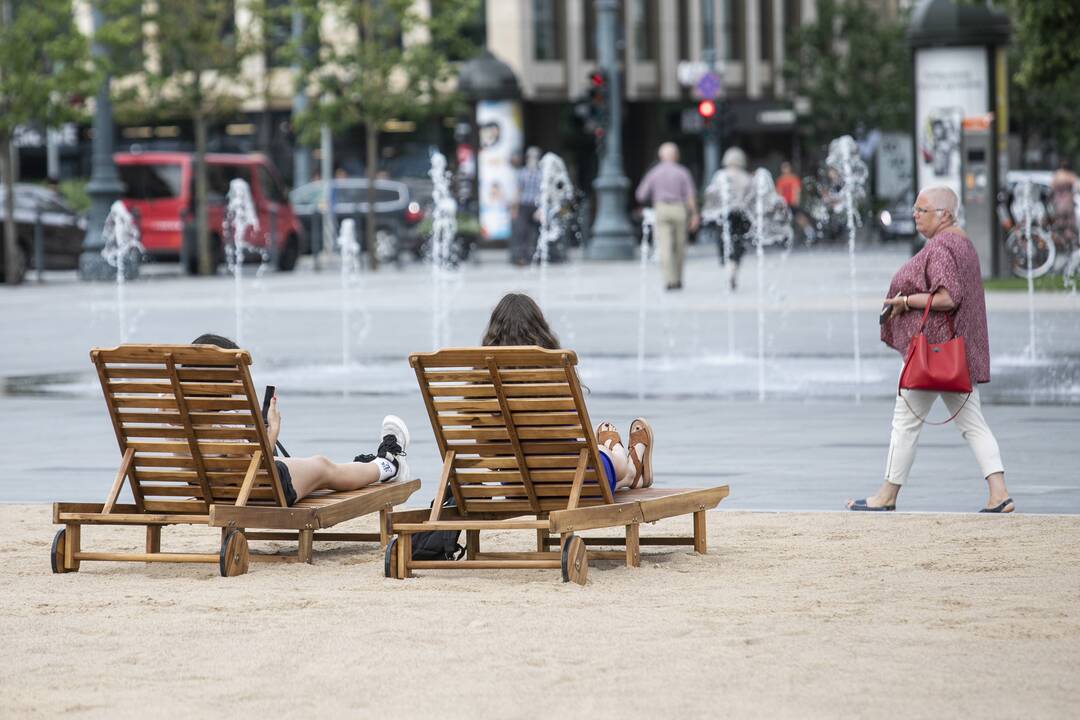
(609, 470)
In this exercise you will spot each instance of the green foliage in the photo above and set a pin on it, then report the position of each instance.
(1045, 60)
(44, 73)
(369, 71)
(194, 66)
(854, 67)
(74, 193)
(1047, 31)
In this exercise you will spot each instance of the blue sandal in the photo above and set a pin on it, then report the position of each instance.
(861, 506)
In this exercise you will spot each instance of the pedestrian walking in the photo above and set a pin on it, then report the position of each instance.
(943, 284)
(524, 211)
(669, 187)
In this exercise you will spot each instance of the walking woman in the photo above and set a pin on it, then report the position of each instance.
(945, 274)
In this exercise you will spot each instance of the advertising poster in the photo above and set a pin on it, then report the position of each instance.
(499, 127)
(893, 165)
(950, 84)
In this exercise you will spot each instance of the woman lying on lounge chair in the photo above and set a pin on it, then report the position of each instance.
(518, 320)
(301, 476)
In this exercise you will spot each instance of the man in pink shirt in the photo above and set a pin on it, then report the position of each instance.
(670, 189)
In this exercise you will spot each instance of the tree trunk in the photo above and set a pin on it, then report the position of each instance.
(11, 241)
(207, 253)
(372, 168)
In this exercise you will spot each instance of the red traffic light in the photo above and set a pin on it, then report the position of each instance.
(597, 79)
(706, 109)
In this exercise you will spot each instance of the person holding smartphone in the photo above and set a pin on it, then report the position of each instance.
(301, 476)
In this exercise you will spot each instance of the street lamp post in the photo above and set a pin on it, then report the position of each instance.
(104, 187)
(301, 154)
(708, 55)
(612, 236)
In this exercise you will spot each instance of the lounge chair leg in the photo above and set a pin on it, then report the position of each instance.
(153, 539)
(699, 532)
(633, 546)
(233, 559)
(384, 527)
(72, 545)
(541, 540)
(472, 544)
(60, 552)
(303, 550)
(575, 559)
(404, 555)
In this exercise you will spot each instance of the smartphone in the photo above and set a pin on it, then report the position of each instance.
(267, 397)
(885, 313)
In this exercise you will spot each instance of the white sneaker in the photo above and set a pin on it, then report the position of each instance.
(395, 441)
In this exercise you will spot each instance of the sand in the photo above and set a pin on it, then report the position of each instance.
(789, 615)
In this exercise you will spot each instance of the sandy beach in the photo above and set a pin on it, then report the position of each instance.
(789, 615)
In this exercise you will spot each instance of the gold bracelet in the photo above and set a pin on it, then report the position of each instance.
(907, 308)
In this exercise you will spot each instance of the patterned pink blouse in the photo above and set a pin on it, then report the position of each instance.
(947, 261)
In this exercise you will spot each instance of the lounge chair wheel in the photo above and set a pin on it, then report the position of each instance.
(233, 560)
(390, 560)
(58, 544)
(575, 564)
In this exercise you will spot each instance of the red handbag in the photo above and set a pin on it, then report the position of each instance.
(936, 367)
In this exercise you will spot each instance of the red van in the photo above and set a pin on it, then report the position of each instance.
(160, 186)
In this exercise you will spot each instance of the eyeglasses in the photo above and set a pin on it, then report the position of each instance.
(922, 211)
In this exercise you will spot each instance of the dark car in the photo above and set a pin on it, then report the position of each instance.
(397, 215)
(895, 222)
(62, 229)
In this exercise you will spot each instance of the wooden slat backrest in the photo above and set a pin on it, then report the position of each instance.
(191, 417)
(517, 423)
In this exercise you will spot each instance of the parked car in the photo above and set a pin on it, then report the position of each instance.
(397, 215)
(895, 222)
(160, 186)
(62, 229)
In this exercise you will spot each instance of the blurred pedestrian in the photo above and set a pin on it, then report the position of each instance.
(737, 206)
(525, 209)
(669, 187)
(945, 277)
(788, 185)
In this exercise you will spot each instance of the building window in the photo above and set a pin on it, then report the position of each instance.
(646, 30)
(765, 28)
(547, 29)
(734, 30)
(792, 14)
(684, 29)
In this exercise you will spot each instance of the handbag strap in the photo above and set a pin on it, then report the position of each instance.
(926, 315)
(921, 418)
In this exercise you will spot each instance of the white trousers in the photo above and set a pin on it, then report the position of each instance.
(906, 427)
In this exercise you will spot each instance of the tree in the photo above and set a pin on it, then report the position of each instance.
(854, 68)
(195, 54)
(44, 75)
(1045, 57)
(386, 61)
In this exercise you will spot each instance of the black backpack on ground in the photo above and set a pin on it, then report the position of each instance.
(438, 544)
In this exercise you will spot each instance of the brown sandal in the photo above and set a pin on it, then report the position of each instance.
(641, 434)
(603, 436)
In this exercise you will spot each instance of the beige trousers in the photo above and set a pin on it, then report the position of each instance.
(906, 427)
(671, 239)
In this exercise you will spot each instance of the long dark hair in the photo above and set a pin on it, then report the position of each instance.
(518, 320)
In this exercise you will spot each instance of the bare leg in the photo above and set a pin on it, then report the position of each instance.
(318, 472)
(998, 492)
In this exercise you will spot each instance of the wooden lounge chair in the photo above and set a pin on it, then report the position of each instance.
(195, 451)
(516, 441)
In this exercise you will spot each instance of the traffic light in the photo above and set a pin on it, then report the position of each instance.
(593, 108)
(706, 109)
